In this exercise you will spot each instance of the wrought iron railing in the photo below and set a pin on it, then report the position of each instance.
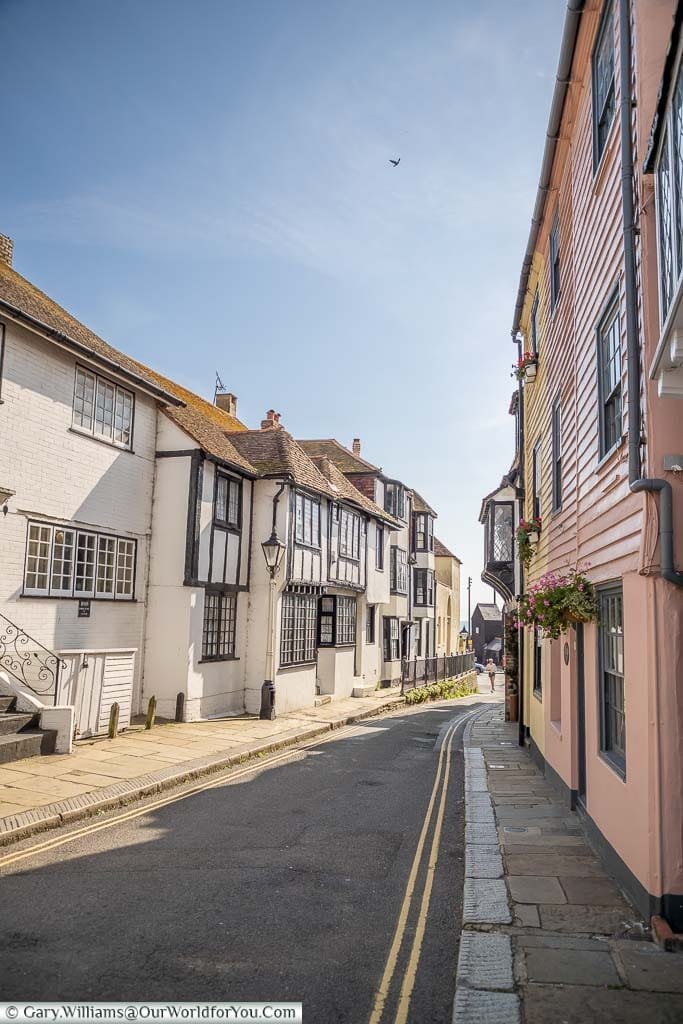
(415, 671)
(31, 664)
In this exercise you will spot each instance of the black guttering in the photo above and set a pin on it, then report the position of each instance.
(636, 482)
(570, 32)
(52, 334)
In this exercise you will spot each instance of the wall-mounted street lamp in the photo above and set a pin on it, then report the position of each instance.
(273, 552)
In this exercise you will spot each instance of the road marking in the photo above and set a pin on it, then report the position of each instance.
(270, 762)
(397, 942)
(411, 969)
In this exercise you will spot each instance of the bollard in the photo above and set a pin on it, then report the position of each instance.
(151, 712)
(180, 708)
(113, 720)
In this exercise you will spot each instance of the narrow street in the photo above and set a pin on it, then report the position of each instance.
(283, 882)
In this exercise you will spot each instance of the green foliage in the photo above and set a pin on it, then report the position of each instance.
(524, 548)
(441, 691)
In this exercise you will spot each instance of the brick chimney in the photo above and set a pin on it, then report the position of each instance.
(227, 402)
(6, 250)
(356, 446)
(272, 420)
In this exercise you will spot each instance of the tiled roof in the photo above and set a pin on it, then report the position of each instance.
(18, 294)
(274, 451)
(420, 505)
(346, 491)
(342, 457)
(441, 551)
(490, 612)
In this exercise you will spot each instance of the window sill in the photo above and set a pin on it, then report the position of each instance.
(609, 455)
(618, 767)
(335, 647)
(218, 657)
(70, 597)
(298, 664)
(308, 547)
(100, 440)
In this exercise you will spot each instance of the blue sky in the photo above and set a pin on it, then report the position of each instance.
(207, 186)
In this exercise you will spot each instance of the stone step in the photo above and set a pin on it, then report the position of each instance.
(366, 690)
(321, 699)
(6, 703)
(11, 722)
(30, 743)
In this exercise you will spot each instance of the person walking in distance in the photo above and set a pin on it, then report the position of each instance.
(491, 669)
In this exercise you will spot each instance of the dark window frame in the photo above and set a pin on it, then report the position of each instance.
(370, 623)
(348, 515)
(379, 548)
(533, 325)
(389, 651)
(310, 500)
(395, 499)
(555, 268)
(609, 318)
(395, 564)
(536, 480)
(537, 663)
(603, 117)
(423, 526)
(424, 581)
(224, 640)
(227, 523)
(337, 620)
(609, 709)
(556, 429)
(491, 531)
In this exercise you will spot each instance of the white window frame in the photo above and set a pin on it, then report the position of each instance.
(61, 591)
(122, 399)
(122, 545)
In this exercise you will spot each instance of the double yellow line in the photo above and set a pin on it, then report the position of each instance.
(441, 779)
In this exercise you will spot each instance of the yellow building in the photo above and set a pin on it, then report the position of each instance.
(447, 599)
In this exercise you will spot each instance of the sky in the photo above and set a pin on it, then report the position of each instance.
(207, 185)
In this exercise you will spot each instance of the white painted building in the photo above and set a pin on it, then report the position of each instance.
(77, 441)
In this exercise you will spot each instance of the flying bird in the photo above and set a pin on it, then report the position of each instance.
(395, 162)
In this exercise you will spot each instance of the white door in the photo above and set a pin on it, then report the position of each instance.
(92, 681)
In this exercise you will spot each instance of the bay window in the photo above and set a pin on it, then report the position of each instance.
(398, 579)
(391, 648)
(424, 587)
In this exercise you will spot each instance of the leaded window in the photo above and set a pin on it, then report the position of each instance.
(337, 621)
(398, 581)
(424, 532)
(349, 534)
(66, 562)
(395, 500)
(609, 378)
(298, 629)
(219, 627)
(536, 480)
(379, 547)
(424, 587)
(604, 104)
(102, 408)
(346, 620)
(611, 661)
(307, 521)
(501, 532)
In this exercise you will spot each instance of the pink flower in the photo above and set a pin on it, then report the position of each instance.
(547, 603)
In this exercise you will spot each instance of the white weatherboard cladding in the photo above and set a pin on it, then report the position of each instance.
(60, 475)
(94, 680)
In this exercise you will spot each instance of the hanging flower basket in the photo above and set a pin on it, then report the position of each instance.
(527, 537)
(525, 367)
(554, 602)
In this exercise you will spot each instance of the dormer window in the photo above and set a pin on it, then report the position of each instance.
(102, 409)
(395, 500)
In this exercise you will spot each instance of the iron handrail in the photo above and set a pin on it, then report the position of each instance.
(29, 661)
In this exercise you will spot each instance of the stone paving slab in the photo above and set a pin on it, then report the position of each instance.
(646, 968)
(485, 961)
(485, 902)
(536, 889)
(589, 920)
(595, 892)
(483, 862)
(574, 1004)
(571, 967)
(477, 1007)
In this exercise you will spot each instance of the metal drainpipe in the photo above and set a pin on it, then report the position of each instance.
(521, 739)
(636, 482)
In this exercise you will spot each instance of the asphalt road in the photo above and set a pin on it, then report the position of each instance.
(286, 883)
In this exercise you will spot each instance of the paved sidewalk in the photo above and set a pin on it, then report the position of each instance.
(547, 935)
(41, 792)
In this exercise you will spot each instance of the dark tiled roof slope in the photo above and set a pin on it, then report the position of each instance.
(274, 451)
(342, 457)
(346, 491)
(420, 505)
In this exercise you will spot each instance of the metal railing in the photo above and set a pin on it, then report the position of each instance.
(416, 671)
(31, 664)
